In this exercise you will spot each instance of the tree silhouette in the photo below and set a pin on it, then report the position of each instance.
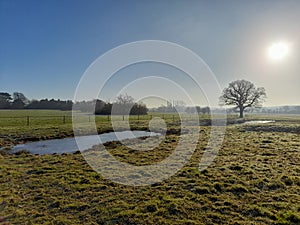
(243, 94)
(124, 105)
(5, 100)
(18, 96)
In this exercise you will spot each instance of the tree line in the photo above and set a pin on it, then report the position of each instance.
(180, 107)
(18, 101)
(124, 105)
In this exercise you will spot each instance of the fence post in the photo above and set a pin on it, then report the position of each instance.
(123, 117)
(107, 117)
(64, 119)
(27, 120)
(138, 117)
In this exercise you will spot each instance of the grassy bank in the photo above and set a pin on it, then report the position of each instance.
(254, 180)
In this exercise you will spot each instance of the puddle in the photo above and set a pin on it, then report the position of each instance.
(69, 145)
(258, 121)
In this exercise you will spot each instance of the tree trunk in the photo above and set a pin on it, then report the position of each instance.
(241, 112)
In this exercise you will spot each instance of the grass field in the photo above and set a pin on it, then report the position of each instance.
(255, 179)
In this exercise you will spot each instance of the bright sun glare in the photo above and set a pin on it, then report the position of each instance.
(278, 51)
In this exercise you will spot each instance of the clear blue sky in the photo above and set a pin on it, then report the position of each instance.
(45, 46)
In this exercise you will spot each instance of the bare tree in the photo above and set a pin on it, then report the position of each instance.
(125, 99)
(123, 105)
(243, 94)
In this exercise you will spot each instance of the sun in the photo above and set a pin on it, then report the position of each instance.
(278, 50)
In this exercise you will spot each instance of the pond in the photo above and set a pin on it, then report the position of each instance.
(69, 145)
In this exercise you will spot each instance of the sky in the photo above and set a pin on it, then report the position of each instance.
(47, 46)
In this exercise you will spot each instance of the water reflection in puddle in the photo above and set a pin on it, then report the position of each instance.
(69, 145)
(259, 121)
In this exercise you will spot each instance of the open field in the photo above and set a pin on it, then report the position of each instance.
(255, 179)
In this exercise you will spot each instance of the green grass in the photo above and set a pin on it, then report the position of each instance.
(18, 118)
(254, 180)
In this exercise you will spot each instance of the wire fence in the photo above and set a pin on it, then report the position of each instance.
(30, 120)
